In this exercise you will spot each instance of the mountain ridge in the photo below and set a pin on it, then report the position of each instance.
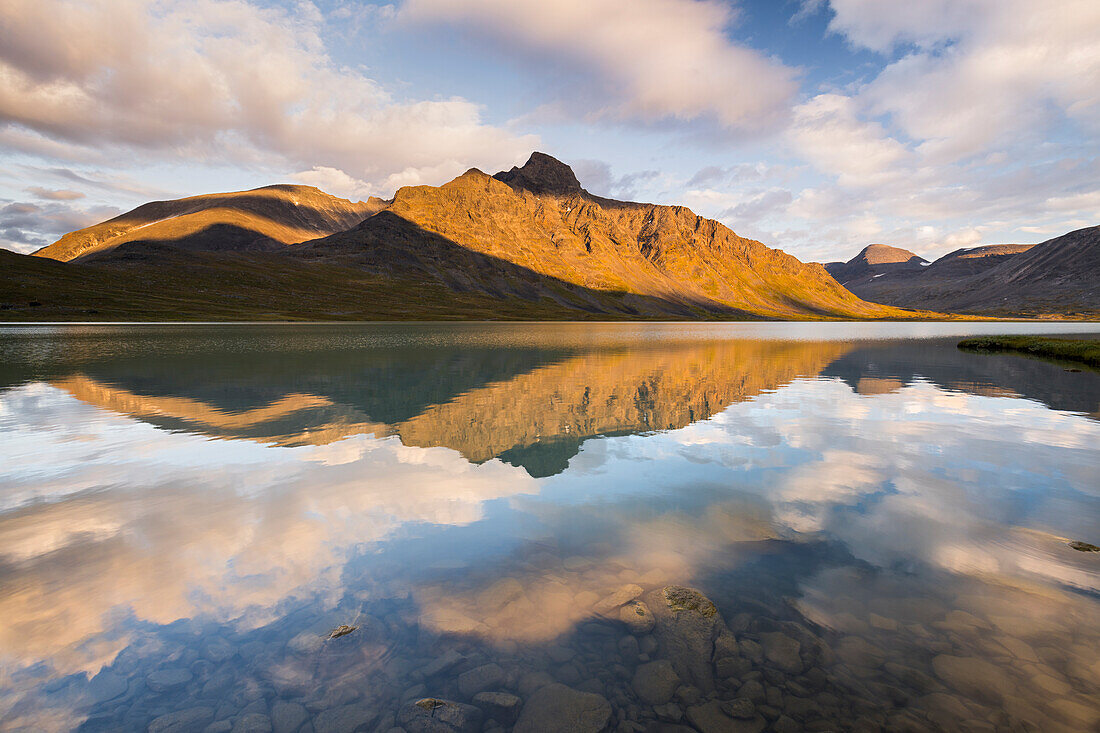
(538, 217)
(527, 242)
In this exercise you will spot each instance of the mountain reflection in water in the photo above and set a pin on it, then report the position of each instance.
(187, 512)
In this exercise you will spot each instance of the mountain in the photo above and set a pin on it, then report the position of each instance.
(874, 260)
(262, 219)
(534, 233)
(526, 243)
(1057, 277)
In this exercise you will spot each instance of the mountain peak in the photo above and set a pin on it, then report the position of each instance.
(884, 254)
(542, 174)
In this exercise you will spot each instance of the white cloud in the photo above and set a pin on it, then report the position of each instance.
(334, 181)
(212, 80)
(62, 194)
(759, 205)
(596, 177)
(444, 169)
(981, 127)
(828, 131)
(881, 24)
(807, 9)
(26, 226)
(984, 71)
(650, 61)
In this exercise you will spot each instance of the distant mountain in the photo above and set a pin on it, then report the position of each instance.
(874, 260)
(266, 218)
(525, 243)
(1058, 277)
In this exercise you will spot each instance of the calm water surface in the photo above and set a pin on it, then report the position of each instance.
(577, 527)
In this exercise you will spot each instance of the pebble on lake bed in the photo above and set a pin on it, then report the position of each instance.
(1083, 546)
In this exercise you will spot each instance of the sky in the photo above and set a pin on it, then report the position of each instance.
(815, 126)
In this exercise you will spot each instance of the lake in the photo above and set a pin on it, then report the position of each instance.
(467, 527)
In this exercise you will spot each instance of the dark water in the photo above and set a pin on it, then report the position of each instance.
(633, 528)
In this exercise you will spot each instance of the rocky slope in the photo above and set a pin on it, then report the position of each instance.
(261, 219)
(1056, 277)
(533, 232)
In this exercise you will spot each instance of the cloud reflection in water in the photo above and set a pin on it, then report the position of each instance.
(877, 511)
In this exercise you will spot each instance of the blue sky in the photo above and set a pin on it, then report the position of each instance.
(816, 126)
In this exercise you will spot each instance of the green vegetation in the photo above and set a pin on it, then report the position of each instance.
(1081, 351)
(206, 286)
(229, 286)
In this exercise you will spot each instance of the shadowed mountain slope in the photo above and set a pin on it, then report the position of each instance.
(1058, 277)
(158, 282)
(261, 219)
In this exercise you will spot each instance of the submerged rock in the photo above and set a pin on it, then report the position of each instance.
(344, 719)
(752, 690)
(1083, 546)
(637, 617)
(623, 594)
(218, 650)
(182, 721)
(502, 707)
(687, 626)
(501, 593)
(655, 683)
(740, 708)
(712, 718)
(442, 663)
(679, 598)
(556, 708)
(170, 678)
(974, 677)
(287, 717)
(252, 723)
(432, 715)
(782, 651)
(106, 686)
(480, 679)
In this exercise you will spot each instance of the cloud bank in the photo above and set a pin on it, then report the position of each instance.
(215, 81)
(649, 61)
(974, 121)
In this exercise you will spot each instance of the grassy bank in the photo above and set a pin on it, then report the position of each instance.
(1080, 351)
